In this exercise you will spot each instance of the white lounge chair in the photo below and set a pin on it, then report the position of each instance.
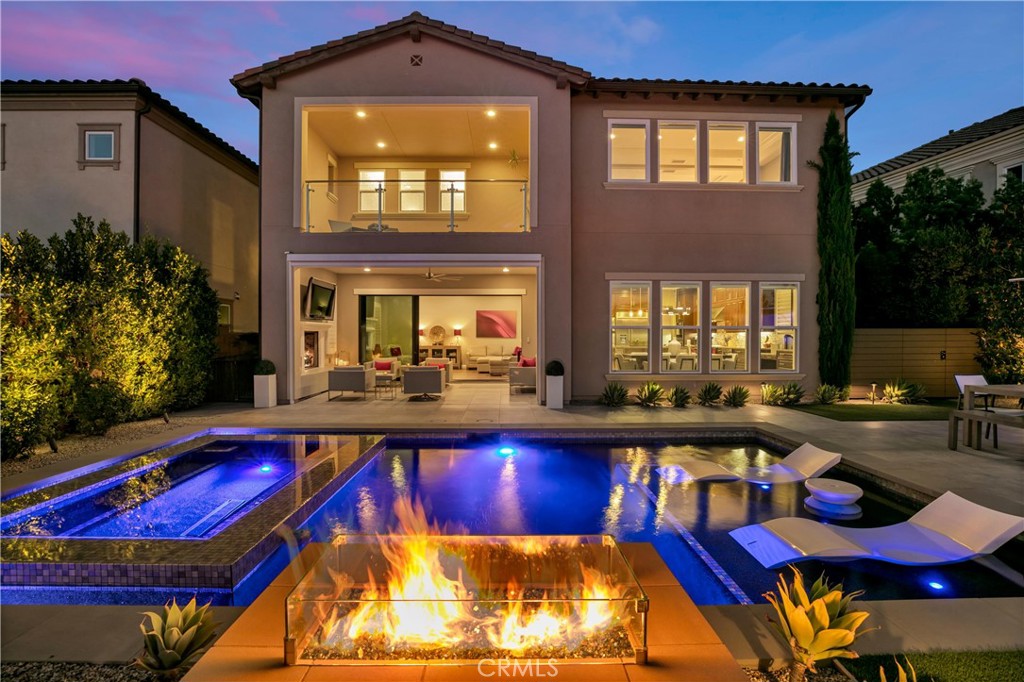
(807, 461)
(948, 530)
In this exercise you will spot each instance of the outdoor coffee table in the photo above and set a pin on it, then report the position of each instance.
(831, 497)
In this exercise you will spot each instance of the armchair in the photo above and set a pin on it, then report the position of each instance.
(522, 377)
(355, 378)
(423, 382)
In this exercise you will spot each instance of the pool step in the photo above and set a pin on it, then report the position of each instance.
(224, 510)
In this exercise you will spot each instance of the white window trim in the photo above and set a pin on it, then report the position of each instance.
(647, 148)
(697, 160)
(380, 183)
(1001, 169)
(613, 328)
(104, 133)
(84, 130)
(706, 159)
(443, 190)
(422, 191)
(685, 328)
(712, 328)
(795, 327)
(792, 152)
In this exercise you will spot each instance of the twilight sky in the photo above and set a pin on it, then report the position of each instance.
(934, 66)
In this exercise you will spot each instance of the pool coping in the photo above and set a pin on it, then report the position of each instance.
(220, 562)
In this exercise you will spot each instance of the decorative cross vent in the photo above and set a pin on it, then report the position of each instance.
(416, 60)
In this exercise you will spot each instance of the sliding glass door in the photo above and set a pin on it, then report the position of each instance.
(387, 328)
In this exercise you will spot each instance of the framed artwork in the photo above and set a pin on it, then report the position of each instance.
(496, 324)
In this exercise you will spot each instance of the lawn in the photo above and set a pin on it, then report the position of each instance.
(945, 666)
(863, 411)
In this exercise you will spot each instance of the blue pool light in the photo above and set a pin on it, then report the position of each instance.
(766, 486)
(935, 585)
(506, 451)
(266, 468)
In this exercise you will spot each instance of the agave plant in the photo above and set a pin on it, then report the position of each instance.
(902, 674)
(792, 393)
(650, 394)
(679, 396)
(614, 395)
(902, 392)
(771, 394)
(709, 394)
(178, 637)
(828, 394)
(737, 396)
(818, 624)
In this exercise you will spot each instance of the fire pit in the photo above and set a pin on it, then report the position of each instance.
(458, 598)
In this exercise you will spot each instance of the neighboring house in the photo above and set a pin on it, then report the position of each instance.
(987, 152)
(118, 151)
(633, 229)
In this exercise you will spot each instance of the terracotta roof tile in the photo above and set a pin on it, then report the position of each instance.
(954, 140)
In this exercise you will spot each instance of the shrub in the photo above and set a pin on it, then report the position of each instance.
(177, 638)
(737, 396)
(554, 369)
(828, 394)
(614, 395)
(709, 394)
(771, 394)
(679, 396)
(792, 394)
(650, 394)
(902, 392)
(264, 368)
(99, 404)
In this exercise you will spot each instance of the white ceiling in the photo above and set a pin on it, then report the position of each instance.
(456, 131)
(448, 270)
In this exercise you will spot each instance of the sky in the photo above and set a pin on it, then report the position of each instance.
(934, 66)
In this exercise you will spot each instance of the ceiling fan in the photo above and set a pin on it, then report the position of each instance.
(432, 276)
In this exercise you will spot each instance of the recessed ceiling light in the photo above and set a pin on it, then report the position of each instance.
(740, 138)
(366, 269)
(381, 145)
(505, 269)
(493, 145)
(659, 137)
(491, 113)
(360, 114)
(612, 136)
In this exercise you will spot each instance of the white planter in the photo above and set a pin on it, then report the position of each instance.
(264, 390)
(554, 392)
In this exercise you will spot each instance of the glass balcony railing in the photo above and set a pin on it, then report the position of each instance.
(495, 205)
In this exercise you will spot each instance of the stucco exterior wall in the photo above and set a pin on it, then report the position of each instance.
(207, 204)
(684, 233)
(42, 187)
(384, 70)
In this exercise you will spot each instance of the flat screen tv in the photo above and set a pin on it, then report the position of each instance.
(318, 303)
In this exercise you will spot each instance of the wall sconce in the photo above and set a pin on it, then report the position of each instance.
(458, 332)
(422, 332)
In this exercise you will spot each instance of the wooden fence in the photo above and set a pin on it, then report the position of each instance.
(924, 356)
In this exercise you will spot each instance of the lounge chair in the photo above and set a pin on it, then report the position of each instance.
(807, 461)
(948, 530)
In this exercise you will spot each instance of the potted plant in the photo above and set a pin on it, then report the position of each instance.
(554, 373)
(264, 384)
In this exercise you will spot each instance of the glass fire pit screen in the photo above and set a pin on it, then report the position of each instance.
(423, 598)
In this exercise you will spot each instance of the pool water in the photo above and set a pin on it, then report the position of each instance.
(578, 489)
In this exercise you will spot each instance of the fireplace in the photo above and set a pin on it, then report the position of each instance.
(457, 598)
(311, 350)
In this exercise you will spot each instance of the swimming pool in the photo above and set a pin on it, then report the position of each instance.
(566, 488)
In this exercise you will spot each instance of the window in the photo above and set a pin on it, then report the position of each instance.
(453, 190)
(627, 151)
(677, 152)
(680, 327)
(412, 190)
(630, 309)
(371, 190)
(727, 152)
(1014, 167)
(730, 326)
(332, 178)
(778, 327)
(99, 144)
(775, 153)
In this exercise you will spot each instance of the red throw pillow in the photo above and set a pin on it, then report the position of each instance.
(382, 366)
(529, 362)
(436, 363)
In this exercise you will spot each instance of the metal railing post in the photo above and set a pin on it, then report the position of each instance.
(309, 190)
(451, 207)
(380, 207)
(525, 224)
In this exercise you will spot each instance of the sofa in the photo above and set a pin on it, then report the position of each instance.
(522, 377)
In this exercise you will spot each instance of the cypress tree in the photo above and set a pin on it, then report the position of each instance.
(836, 295)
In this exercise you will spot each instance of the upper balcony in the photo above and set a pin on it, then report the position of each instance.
(416, 168)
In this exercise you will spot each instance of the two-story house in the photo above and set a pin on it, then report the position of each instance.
(117, 150)
(633, 229)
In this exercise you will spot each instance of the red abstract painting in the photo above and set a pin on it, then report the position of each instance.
(496, 324)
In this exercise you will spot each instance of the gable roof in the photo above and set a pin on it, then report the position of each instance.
(954, 140)
(132, 86)
(415, 24)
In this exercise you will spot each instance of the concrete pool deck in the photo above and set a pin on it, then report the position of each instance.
(912, 455)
